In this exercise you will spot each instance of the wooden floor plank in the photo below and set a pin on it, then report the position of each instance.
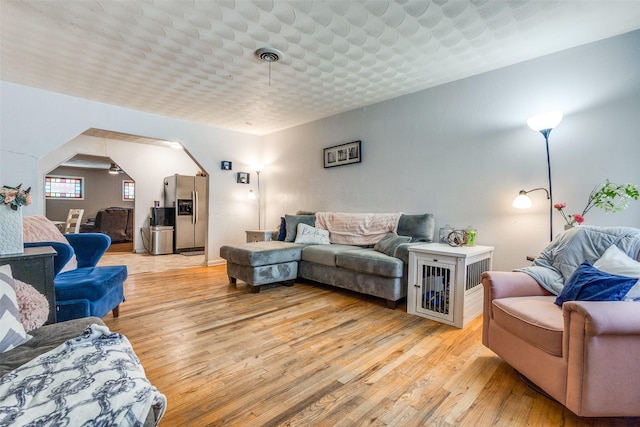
(312, 355)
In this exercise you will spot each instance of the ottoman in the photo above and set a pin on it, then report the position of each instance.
(262, 263)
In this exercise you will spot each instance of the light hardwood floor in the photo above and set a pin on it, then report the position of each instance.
(310, 355)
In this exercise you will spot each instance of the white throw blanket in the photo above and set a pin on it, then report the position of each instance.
(95, 379)
(357, 228)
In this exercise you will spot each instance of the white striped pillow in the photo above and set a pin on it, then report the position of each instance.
(12, 333)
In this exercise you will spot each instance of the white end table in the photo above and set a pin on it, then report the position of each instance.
(445, 282)
(259, 235)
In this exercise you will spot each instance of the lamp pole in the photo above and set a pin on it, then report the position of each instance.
(259, 202)
(545, 133)
(545, 123)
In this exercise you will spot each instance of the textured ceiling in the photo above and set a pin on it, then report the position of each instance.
(194, 60)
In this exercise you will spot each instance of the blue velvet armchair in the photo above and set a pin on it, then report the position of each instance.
(88, 290)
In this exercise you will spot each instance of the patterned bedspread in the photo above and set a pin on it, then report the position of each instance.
(95, 379)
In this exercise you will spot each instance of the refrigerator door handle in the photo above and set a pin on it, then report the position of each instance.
(194, 218)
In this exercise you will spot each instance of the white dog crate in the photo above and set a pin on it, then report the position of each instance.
(445, 282)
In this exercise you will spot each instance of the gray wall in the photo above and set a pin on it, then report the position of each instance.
(102, 190)
(463, 150)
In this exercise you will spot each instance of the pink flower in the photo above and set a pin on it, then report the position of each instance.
(10, 197)
(578, 218)
(560, 205)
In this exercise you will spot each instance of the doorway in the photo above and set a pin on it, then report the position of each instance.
(104, 191)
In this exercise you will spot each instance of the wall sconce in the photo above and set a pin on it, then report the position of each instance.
(543, 123)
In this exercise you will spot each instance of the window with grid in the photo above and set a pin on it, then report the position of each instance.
(64, 187)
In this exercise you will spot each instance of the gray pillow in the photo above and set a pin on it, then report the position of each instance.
(292, 222)
(389, 243)
(419, 227)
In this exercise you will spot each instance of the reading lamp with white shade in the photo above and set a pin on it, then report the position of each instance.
(543, 123)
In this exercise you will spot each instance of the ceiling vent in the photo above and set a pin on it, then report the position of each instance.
(269, 55)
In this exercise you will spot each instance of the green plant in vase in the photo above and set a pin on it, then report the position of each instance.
(609, 197)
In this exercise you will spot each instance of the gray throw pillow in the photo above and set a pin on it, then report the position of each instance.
(292, 222)
(419, 227)
(389, 243)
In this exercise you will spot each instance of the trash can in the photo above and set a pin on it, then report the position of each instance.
(161, 237)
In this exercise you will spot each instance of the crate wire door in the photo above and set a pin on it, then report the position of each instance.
(435, 289)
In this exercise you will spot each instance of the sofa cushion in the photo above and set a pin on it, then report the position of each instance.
(12, 333)
(371, 262)
(588, 283)
(419, 227)
(311, 235)
(33, 306)
(389, 243)
(261, 253)
(614, 261)
(535, 319)
(44, 339)
(402, 251)
(292, 221)
(91, 283)
(325, 254)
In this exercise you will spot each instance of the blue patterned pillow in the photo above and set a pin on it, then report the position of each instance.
(12, 333)
(588, 283)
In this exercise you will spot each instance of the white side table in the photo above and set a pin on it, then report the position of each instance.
(445, 282)
(259, 235)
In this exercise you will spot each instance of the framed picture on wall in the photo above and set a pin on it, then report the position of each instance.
(344, 154)
(243, 178)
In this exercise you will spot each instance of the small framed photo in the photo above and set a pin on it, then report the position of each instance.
(243, 178)
(344, 154)
(226, 165)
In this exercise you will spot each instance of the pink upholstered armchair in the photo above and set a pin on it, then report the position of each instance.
(585, 354)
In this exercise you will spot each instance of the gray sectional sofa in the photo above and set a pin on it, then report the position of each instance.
(379, 270)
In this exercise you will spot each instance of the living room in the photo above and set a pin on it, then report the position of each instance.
(460, 150)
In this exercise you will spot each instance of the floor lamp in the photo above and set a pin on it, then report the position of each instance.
(543, 123)
(255, 196)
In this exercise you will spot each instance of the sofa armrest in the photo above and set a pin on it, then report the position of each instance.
(89, 247)
(505, 284)
(604, 317)
(599, 344)
(64, 253)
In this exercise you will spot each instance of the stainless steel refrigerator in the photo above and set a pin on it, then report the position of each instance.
(188, 195)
